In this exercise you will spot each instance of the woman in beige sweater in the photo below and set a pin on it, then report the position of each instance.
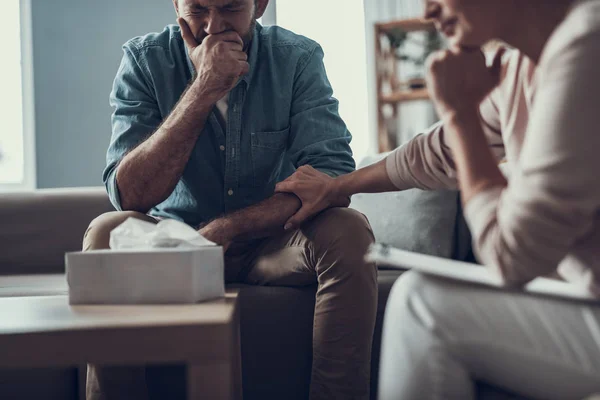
(537, 107)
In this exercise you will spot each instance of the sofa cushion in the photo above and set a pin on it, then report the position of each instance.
(39, 227)
(428, 222)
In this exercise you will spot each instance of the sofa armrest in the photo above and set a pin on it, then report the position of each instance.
(38, 227)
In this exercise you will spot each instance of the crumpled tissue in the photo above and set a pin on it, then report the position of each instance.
(169, 233)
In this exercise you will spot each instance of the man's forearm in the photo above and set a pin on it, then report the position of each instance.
(264, 219)
(148, 174)
(371, 179)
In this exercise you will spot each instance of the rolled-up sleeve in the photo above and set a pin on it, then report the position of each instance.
(425, 162)
(136, 116)
(318, 135)
(552, 200)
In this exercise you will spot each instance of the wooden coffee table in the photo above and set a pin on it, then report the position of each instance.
(44, 331)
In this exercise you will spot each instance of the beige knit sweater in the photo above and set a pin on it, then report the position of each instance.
(544, 123)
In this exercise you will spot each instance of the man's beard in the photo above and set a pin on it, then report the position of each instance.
(249, 35)
(246, 37)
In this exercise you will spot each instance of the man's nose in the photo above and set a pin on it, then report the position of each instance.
(215, 23)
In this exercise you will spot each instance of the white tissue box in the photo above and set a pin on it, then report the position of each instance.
(150, 276)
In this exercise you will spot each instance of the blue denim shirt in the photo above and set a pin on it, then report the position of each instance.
(281, 115)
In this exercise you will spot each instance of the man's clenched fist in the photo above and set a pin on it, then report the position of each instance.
(219, 60)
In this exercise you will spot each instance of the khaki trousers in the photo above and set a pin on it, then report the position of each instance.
(328, 252)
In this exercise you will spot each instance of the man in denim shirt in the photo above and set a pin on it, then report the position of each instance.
(209, 117)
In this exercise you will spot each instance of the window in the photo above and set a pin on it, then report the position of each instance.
(343, 41)
(16, 80)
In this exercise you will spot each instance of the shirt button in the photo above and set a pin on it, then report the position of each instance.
(230, 192)
(222, 147)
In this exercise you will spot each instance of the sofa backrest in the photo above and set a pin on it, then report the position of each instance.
(427, 222)
(37, 228)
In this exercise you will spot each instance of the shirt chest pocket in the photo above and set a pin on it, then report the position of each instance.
(268, 150)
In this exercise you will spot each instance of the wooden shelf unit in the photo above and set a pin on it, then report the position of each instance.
(404, 95)
(387, 70)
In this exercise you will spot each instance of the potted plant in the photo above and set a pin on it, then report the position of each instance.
(428, 43)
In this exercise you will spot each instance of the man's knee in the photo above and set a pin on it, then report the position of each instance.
(97, 235)
(343, 226)
(346, 235)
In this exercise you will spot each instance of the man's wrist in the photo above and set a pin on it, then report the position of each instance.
(222, 230)
(202, 96)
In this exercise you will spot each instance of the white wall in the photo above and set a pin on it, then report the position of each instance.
(76, 53)
(338, 26)
(16, 155)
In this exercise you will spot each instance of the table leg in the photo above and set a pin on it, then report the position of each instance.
(81, 381)
(237, 366)
(218, 380)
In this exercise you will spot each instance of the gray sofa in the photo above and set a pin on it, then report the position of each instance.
(276, 322)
